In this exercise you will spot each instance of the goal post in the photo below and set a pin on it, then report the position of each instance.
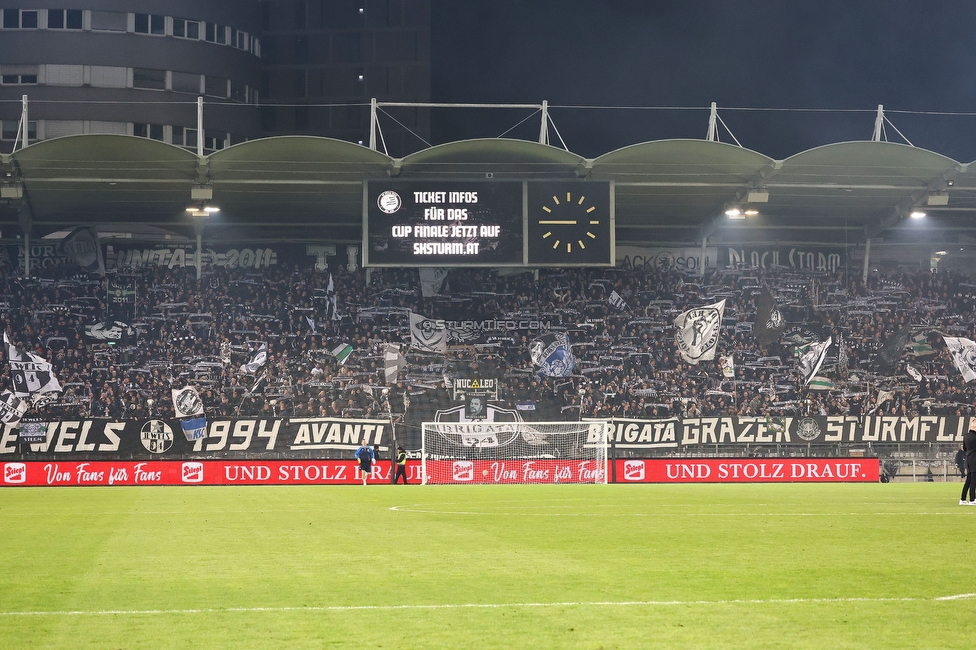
(514, 452)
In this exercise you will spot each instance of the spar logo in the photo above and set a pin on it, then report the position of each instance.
(14, 473)
(633, 470)
(192, 472)
(463, 470)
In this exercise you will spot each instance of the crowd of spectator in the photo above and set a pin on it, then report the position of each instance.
(201, 333)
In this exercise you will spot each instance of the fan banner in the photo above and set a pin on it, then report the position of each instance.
(30, 373)
(337, 438)
(187, 402)
(81, 246)
(259, 358)
(812, 357)
(238, 438)
(770, 322)
(703, 433)
(698, 332)
(120, 295)
(552, 355)
(12, 408)
(891, 350)
(427, 335)
(741, 470)
(963, 353)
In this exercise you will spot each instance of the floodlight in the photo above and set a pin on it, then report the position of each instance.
(917, 214)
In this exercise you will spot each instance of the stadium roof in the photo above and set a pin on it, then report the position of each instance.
(668, 192)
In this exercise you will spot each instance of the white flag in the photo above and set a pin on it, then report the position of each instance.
(29, 372)
(913, 373)
(12, 408)
(393, 361)
(427, 335)
(259, 359)
(963, 353)
(812, 358)
(332, 304)
(431, 281)
(187, 402)
(617, 301)
(698, 332)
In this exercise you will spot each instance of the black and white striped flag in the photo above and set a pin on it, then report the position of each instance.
(617, 301)
(29, 372)
(12, 408)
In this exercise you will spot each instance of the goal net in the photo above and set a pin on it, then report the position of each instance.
(514, 452)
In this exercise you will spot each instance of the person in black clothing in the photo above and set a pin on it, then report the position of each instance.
(961, 462)
(969, 445)
(401, 466)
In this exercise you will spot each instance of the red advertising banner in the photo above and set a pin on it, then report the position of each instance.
(539, 470)
(201, 472)
(344, 472)
(746, 470)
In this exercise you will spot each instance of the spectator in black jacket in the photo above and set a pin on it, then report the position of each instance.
(969, 445)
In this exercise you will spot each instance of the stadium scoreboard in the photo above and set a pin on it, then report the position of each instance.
(487, 223)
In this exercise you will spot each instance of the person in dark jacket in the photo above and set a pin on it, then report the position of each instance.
(961, 462)
(401, 466)
(969, 445)
(365, 457)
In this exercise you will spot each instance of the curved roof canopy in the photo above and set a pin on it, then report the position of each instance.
(668, 192)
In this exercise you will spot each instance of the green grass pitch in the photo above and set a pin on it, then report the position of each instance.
(556, 566)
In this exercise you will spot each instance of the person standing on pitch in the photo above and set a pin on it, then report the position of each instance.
(366, 458)
(969, 445)
(401, 466)
(961, 462)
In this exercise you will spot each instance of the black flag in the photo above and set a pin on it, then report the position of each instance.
(887, 358)
(769, 323)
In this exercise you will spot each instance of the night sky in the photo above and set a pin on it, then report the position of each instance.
(820, 54)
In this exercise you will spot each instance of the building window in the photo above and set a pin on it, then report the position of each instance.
(186, 82)
(28, 19)
(109, 21)
(64, 19)
(215, 86)
(151, 131)
(151, 79)
(184, 137)
(215, 142)
(18, 79)
(11, 18)
(9, 128)
(186, 29)
(20, 19)
(216, 33)
(151, 24)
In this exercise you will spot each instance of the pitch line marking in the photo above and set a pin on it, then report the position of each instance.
(414, 509)
(599, 603)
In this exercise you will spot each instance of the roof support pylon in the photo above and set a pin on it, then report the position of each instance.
(878, 125)
(713, 124)
(544, 129)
